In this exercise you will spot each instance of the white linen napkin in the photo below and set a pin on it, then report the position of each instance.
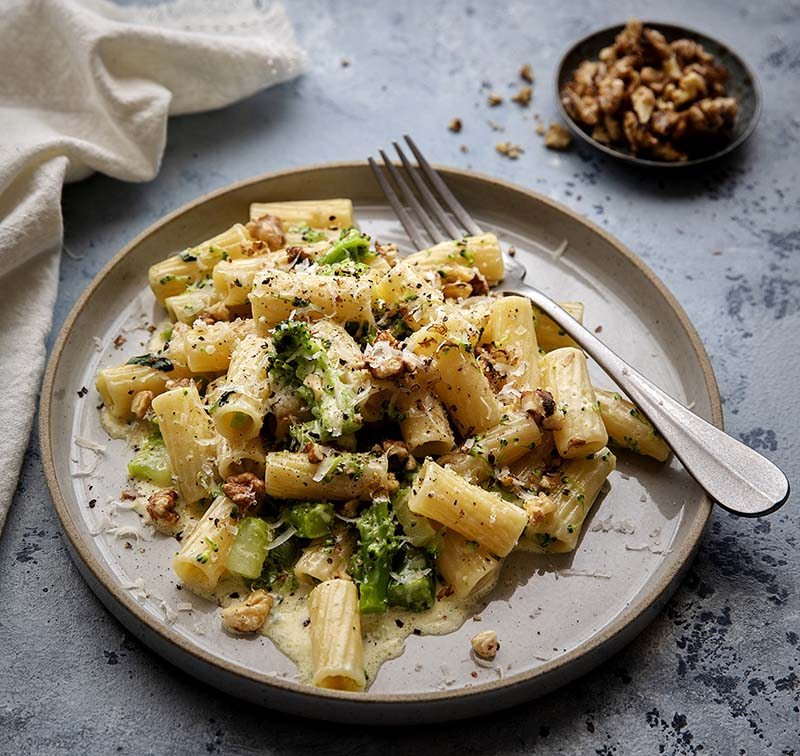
(87, 86)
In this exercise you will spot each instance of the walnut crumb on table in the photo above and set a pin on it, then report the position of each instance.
(455, 125)
(523, 96)
(526, 73)
(494, 100)
(557, 137)
(485, 644)
(511, 151)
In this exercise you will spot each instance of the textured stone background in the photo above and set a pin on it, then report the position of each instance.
(717, 672)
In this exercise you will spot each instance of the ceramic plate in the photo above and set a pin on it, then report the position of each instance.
(556, 617)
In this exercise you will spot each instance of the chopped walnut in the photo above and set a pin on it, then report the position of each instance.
(526, 73)
(119, 340)
(557, 137)
(494, 100)
(315, 452)
(539, 404)
(485, 644)
(540, 129)
(350, 508)
(493, 361)
(173, 383)
(538, 507)
(643, 101)
(161, 508)
(523, 96)
(140, 403)
(269, 229)
(511, 151)
(650, 94)
(215, 313)
(388, 252)
(610, 93)
(455, 125)
(395, 449)
(245, 490)
(383, 357)
(248, 616)
(129, 494)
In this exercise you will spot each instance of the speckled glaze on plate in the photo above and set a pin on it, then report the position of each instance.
(556, 616)
(742, 84)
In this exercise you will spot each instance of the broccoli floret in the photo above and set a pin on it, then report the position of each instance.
(378, 543)
(412, 585)
(351, 245)
(302, 362)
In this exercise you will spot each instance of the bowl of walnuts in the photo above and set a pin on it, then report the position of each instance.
(657, 94)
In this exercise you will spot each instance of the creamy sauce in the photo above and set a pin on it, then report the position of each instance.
(384, 634)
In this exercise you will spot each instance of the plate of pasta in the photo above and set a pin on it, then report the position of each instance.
(340, 477)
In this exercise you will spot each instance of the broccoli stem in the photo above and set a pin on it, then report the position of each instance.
(414, 585)
(311, 519)
(249, 549)
(377, 547)
(151, 462)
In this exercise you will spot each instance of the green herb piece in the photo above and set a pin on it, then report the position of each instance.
(153, 361)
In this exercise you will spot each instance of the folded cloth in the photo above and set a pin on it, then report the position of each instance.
(87, 86)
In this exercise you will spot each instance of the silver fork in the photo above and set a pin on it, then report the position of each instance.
(735, 476)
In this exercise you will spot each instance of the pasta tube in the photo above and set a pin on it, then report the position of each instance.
(628, 427)
(337, 652)
(276, 295)
(420, 304)
(566, 376)
(464, 390)
(482, 252)
(118, 385)
(497, 448)
(175, 274)
(238, 456)
(207, 348)
(185, 307)
(190, 439)
(201, 561)
(468, 568)
(510, 330)
(339, 477)
(556, 518)
(239, 411)
(328, 213)
(478, 515)
(549, 334)
(326, 558)
(424, 425)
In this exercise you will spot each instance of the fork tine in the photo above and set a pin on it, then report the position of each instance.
(397, 206)
(448, 197)
(433, 231)
(433, 204)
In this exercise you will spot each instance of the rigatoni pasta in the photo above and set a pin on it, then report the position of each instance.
(336, 433)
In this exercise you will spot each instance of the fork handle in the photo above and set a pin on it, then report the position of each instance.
(737, 477)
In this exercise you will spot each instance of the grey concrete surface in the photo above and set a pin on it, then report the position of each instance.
(718, 671)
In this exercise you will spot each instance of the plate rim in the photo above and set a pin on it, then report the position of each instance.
(631, 616)
(632, 159)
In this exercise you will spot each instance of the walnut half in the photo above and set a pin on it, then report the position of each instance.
(248, 616)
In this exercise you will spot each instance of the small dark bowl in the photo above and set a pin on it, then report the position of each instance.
(741, 84)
